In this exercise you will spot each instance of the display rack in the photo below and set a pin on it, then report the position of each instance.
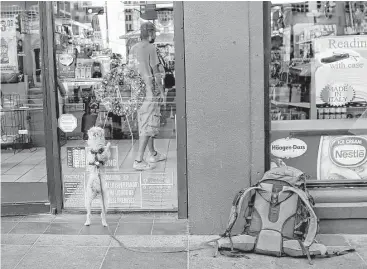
(15, 123)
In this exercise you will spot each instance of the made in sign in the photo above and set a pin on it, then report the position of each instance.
(337, 94)
(348, 151)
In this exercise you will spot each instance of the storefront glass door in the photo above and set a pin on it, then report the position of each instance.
(93, 41)
(23, 155)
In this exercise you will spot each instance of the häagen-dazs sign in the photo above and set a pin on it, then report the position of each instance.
(288, 148)
(348, 151)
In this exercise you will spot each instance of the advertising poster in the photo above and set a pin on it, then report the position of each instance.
(76, 157)
(299, 152)
(124, 191)
(341, 68)
(66, 65)
(322, 157)
(8, 56)
(342, 158)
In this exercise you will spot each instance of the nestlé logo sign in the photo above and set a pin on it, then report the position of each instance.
(348, 151)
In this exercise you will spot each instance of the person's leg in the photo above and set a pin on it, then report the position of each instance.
(155, 156)
(143, 141)
(151, 146)
(139, 163)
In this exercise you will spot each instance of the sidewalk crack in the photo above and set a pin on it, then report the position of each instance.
(25, 254)
(105, 255)
(359, 255)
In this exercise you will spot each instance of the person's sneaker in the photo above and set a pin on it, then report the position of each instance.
(157, 158)
(143, 165)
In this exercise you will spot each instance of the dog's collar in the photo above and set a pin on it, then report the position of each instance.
(96, 162)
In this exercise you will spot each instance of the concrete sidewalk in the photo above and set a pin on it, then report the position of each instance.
(62, 241)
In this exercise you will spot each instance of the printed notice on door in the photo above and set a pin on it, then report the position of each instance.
(74, 193)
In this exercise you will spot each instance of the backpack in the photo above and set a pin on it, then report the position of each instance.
(279, 219)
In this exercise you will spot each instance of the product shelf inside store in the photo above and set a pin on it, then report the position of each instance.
(305, 105)
(319, 125)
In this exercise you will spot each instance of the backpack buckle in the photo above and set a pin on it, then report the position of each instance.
(274, 198)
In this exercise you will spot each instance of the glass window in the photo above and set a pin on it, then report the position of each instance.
(95, 89)
(22, 140)
(318, 88)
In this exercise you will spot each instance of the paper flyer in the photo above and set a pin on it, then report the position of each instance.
(9, 57)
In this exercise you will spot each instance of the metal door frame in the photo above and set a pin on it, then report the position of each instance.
(49, 78)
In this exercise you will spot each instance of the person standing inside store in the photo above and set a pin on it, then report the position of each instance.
(143, 58)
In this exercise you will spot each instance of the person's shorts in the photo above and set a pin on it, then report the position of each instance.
(149, 116)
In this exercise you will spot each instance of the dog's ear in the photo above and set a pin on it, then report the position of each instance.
(90, 132)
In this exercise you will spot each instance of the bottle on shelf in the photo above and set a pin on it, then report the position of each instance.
(321, 113)
(349, 112)
(338, 113)
(343, 113)
(332, 112)
(327, 112)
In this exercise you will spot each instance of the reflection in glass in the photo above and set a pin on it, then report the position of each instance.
(97, 86)
(318, 51)
(22, 140)
(318, 88)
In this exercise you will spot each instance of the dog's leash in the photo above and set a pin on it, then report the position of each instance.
(205, 245)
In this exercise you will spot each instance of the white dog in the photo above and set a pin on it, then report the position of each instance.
(97, 155)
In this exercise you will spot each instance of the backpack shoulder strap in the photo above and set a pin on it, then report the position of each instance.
(312, 229)
(236, 208)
